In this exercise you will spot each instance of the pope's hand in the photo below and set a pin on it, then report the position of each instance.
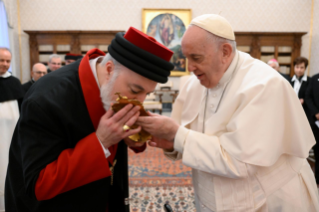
(159, 126)
(161, 143)
(110, 130)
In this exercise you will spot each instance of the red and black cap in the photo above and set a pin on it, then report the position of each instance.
(70, 56)
(142, 54)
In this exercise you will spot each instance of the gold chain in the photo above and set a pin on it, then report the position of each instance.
(112, 171)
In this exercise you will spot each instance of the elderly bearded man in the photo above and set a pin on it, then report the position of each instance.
(66, 153)
(240, 126)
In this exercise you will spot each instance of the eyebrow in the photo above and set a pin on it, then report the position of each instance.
(137, 86)
(196, 55)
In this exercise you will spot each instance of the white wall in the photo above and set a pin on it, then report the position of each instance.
(244, 15)
(314, 60)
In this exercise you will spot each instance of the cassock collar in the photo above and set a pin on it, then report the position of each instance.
(91, 93)
(304, 78)
(90, 89)
(229, 72)
(6, 75)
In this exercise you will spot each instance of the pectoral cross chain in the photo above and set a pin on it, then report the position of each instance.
(112, 171)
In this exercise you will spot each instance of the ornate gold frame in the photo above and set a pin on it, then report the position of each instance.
(184, 14)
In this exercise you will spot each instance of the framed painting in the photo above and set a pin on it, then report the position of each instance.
(168, 26)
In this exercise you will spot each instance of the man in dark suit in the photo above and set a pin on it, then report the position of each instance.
(300, 81)
(38, 71)
(312, 101)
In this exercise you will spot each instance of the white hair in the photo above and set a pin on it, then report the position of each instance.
(109, 57)
(106, 88)
(272, 61)
(53, 56)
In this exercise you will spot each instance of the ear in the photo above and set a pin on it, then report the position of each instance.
(226, 52)
(109, 69)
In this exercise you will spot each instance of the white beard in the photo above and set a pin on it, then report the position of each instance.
(107, 92)
(106, 95)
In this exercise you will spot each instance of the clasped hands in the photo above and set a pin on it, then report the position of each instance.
(111, 128)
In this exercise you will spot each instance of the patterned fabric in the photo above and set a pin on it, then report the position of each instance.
(151, 169)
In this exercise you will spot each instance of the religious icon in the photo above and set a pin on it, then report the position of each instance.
(168, 28)
(122, 101)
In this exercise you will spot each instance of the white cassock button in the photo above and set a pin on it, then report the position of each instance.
(214, 95)
(212, 106)
(203, 206)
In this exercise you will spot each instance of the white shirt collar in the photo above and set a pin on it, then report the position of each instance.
(304, 78)
(6, 75)
(93, 68)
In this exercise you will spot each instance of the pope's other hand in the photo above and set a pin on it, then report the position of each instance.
(161, 143)
(159, 126)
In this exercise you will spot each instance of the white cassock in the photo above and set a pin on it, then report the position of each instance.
(9, 115)
(246, 141)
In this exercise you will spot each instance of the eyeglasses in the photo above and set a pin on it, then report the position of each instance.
(40, 72)
(55, 64)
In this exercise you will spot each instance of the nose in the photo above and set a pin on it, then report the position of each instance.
(191, 67)
(141, 97)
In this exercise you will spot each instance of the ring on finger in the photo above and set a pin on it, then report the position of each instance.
(126, 128)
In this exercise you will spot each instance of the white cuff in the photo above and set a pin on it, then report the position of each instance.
(180, 138)
(106, 151)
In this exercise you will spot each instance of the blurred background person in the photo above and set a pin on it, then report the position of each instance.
(70, 58)
(38, 71)
(54, 62)
(312, 101)
(10, 93)
(300, 80)
(275, 65)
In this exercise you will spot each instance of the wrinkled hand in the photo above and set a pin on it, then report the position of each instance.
(161, 143)
(110, 129)
(159, 126)
(317, 116)
(302, 101)
(131, 143)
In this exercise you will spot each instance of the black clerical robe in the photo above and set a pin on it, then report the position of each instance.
(56, 162)
(302, 94)
(10, 89)
(26, 86)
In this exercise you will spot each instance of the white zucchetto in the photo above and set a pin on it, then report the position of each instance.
(215, 24)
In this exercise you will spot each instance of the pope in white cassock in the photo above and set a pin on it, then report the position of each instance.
(240, 126)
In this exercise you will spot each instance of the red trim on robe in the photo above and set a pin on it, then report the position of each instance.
(73, 169)
(91, 93)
